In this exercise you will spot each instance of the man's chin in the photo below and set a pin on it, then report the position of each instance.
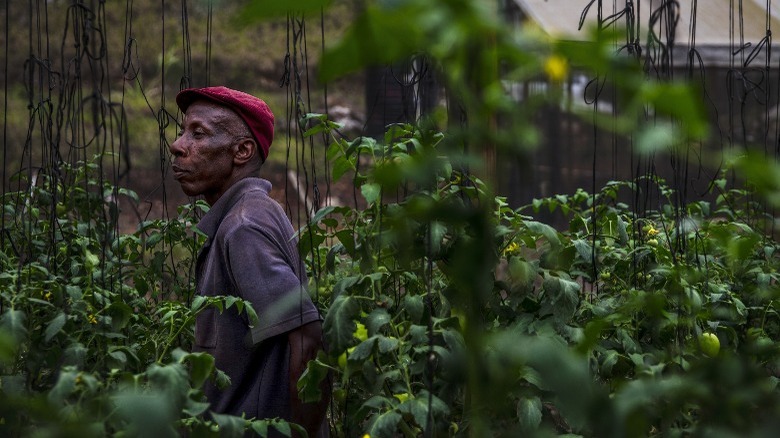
(189, 191)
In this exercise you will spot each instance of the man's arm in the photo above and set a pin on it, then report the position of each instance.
(305, 343)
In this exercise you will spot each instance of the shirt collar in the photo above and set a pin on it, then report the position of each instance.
(211, 220)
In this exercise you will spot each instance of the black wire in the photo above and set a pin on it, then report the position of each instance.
(209, 33)
(5, 123)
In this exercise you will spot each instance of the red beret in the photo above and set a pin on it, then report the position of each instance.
(255, 113)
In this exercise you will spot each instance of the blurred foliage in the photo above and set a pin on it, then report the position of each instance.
(447, 312)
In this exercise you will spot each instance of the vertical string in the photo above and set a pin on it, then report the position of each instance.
(209, 30)
(5, 125)
(186, 80)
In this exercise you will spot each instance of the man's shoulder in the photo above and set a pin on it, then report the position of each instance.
(255, 208)
(255, 205)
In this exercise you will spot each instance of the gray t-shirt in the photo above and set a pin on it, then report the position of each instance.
(250, 253)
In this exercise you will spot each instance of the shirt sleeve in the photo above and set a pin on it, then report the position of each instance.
(262, 270)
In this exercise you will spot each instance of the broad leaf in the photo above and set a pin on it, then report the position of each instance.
(309, 384)
(529, 413)
(371, 192)
(385, 425)
(229, 425)
(13, 322)
(339, 323)
(55, 325)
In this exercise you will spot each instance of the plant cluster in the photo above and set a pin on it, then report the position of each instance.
(96, 326)
(449, 312)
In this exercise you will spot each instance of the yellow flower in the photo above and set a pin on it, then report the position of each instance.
(512, 248)
(366, 436)
(556, 68)
(652, 232)
(47, 296)
(91, 318)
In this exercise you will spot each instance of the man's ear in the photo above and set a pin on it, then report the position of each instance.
(245, 151)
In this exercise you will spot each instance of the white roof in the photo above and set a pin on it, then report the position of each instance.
(718, 22)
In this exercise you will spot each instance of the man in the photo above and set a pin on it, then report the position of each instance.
(249, 253)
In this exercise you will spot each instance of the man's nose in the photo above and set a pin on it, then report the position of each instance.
(177, 147)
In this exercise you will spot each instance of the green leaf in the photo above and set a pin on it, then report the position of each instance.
(260, 427)
(385, 425)
(7, 349)
(563, 295)
(341, 165)
(118, 355)
(366, 42)
(66, 383)
(55, 325)
(418, 409)
(250, 313)
(154, 239)
(529, 413)
(194, 408)
(316, 129)
(334, 150)
(120, 314)
(680, 102)
(434, 236)
(522, 272)
(75, 354)
(230, 426)
(545, 230)
(438, 406)
(377, 319)
(371, 192)
(414, 306)
(363, 350)
(622, 230)
(201, 367)
(13, 322)
(339, 323)
(584, 250)
(321, 213)
(657, 138)
(284, 427)
(386, 344)
(230, 300)
(221, 380)
(309, 384)
(347, 238)
(172, 380)
(145, 414)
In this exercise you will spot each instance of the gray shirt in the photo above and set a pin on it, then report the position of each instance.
(250, 253)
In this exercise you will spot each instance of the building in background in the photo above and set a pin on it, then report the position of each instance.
(722, 47)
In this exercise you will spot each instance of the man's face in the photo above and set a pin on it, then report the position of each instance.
(203, 153)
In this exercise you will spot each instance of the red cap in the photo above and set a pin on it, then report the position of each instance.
(255, 113)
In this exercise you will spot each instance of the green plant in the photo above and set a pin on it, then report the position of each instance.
(94, 324)
(444, 319)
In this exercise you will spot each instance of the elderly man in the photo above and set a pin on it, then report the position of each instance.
(250, 254)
